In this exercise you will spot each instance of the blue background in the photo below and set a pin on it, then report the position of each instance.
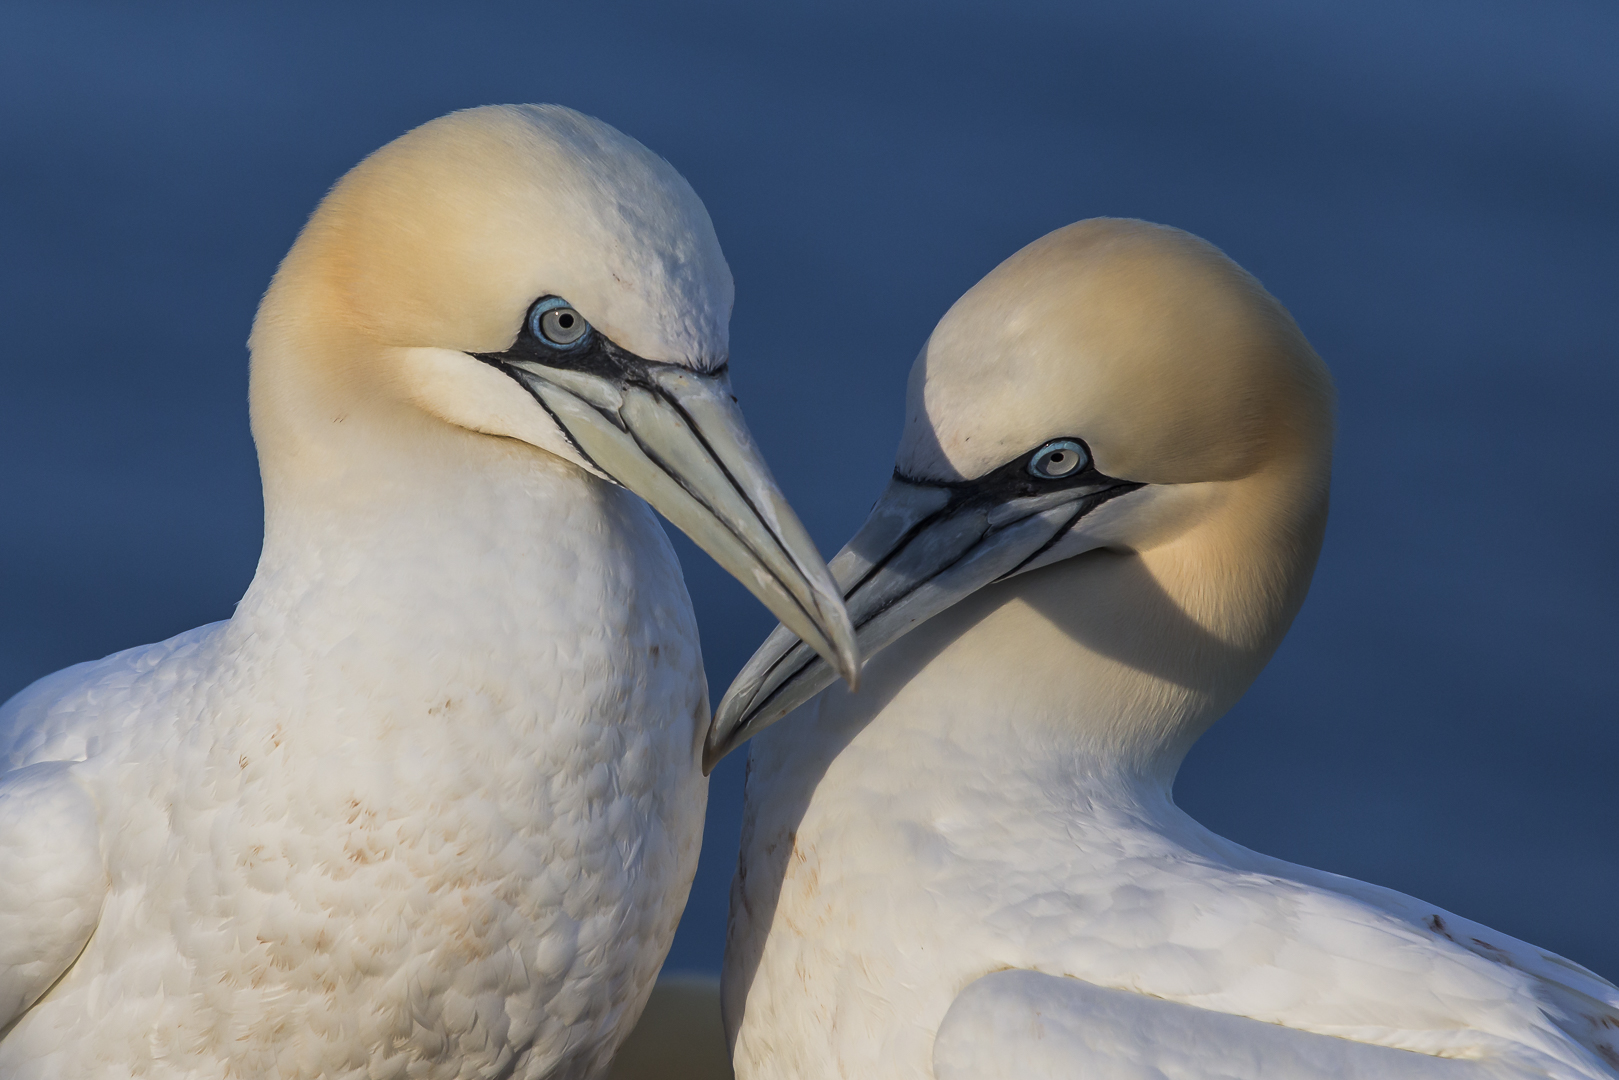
(1432, 188)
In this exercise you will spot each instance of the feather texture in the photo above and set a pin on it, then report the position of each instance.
(469, 862)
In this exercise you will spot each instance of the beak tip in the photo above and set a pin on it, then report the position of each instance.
(717, 746)
(847, 647)
(723, 730)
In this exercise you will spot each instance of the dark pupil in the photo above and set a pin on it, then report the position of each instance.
(1056, 460)
(565, 321)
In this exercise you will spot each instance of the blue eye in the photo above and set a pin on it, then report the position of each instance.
(555, 322)
(1055, 460)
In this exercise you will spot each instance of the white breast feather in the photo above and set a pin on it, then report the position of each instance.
(428, 811)
(869, 896)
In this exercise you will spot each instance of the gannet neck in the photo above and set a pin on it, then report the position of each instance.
(340, 455)
(449, 507)
(483, 563)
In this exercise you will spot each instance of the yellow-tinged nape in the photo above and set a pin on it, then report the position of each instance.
(1180, 371)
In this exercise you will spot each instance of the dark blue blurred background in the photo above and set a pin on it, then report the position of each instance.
(1432, 186)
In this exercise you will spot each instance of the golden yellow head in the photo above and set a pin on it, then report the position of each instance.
(1166, 357)
(445, 236)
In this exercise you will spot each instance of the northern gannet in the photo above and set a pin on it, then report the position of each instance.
(1109, 498)
(430, 803)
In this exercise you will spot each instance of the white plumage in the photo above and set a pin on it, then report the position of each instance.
(973, 868)
(430, 803)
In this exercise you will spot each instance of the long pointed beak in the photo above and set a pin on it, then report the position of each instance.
(677, 439)
(924, 547)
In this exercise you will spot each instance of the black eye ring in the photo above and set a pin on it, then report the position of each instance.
(1059, 459)
(555, 321)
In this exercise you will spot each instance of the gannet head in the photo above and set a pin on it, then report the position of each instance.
(1113, 385)
(528, 273)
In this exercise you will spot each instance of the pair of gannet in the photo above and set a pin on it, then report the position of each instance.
(429, 804)
(1108, 501)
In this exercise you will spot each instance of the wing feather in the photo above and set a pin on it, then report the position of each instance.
(1030, 1026)
(52, 880)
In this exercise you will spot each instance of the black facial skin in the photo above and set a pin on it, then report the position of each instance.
(593, 354)
(998, 487)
